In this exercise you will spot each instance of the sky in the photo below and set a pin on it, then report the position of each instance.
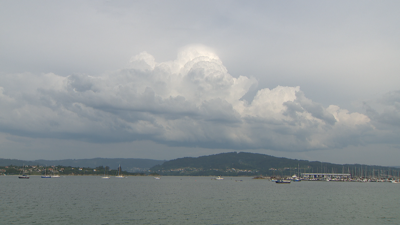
(312, 80)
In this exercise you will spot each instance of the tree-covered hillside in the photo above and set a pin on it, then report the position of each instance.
(234, 164)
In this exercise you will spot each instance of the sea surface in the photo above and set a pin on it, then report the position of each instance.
(194, 200)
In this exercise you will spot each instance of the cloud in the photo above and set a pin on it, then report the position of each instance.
(385, 116)
(191, 101)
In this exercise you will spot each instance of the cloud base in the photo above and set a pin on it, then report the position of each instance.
(191, 102)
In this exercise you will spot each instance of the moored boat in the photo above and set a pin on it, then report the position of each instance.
(23, 176)
(105, 177)
(55, 175)
(45, 174)
(282, 181)
(119, 173)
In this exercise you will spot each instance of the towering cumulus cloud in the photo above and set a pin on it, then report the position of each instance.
(192, 101)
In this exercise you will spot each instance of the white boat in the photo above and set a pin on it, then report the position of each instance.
(295, 178)
(105, 177)
(157, 178)
(45, 174)
(55, 175)
(398, 179)
(120, 172)
(24, 176)
(219, 178)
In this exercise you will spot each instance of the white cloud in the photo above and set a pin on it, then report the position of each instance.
(191, 101)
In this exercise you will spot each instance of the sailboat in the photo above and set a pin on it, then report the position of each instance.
(55, 175)
(105, 177)
(398, 179)
(45, 174)
(120, 172)
(24, 176)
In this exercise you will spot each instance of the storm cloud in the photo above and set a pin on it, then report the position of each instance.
(191, 101)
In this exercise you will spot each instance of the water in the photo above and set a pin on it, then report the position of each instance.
(194, 200)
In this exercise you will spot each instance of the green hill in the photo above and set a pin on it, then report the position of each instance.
(252, 164)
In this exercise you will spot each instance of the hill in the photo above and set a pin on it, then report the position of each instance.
(130, 164)
(252, 164)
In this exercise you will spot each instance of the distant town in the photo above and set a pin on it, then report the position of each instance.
(62, 171)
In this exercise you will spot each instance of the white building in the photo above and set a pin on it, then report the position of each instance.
(326, 176)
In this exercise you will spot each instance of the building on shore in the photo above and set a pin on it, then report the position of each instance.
(326, 176)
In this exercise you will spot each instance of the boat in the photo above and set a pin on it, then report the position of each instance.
(120, 172)
(45, 174)
(394, 181)
(55, 176)
(23, 176)
(105, 177)
(157, 178)
(295, 178)
(219, 178)
(282, 181)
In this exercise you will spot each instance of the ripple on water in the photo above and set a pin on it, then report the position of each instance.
(189, 200)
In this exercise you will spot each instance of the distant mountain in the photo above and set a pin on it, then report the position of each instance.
(224, 164)
(243, 163)
(130, 164)
(15, 162)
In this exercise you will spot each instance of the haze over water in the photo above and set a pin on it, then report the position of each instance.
(194, 200)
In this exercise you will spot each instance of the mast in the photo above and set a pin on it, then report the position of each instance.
(298, 170)
(119, 169)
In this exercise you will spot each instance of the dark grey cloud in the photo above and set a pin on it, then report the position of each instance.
(192, 101)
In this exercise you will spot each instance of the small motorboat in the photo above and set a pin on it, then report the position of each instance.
(282, 181)
(24, 176)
